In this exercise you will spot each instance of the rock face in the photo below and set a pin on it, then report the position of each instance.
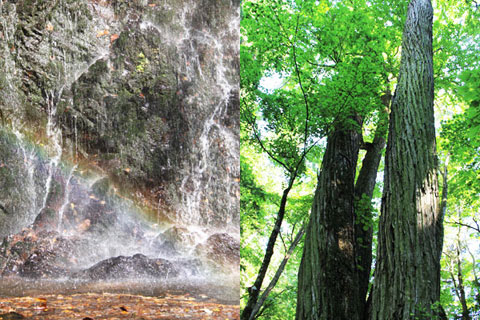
(118, 117)
(144, 91)
(50, 255)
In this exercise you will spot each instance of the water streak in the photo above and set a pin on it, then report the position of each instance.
(66, 199)
(54, 147)
(203, 57)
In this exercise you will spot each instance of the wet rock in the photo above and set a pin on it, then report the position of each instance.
(11, 316)
(101, 188)
(137, 266)
(134, 87)
(42, 264)
(221, 249)
(36, 255)
(179, 239)
(21, 182)
(47, 219)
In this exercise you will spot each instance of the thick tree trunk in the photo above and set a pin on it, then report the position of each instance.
(407, 274)
(327, 281)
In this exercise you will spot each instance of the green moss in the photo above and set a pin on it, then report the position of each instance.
(142, 62)
(101, 188)
(122, 40)
(56, 192)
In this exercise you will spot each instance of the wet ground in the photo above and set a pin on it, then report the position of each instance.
(198, 299)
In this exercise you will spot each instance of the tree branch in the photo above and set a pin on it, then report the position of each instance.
(280, 269)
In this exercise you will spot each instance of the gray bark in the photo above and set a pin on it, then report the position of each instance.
(407, 275)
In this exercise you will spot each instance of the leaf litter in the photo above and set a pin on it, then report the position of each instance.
(97, 306)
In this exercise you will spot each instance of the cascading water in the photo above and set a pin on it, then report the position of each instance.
(212, 93)
(133, 167)
(54, 148)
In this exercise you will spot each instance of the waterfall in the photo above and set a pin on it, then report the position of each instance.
(211, 92)
(134, 109)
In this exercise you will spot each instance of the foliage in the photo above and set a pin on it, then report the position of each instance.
(310, 66)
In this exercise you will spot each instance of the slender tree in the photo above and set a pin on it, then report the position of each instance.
(407, 275)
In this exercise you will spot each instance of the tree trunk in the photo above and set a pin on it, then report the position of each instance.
(461, 287)
(363, 196)
(254, 291)
(407, 275)
(279, 272)
(327, 281)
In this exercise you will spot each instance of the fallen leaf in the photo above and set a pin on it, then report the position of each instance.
(84, 226)
(114, 37)
(102, 33)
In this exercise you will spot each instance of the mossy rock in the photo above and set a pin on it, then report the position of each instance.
(47, 219)
(101, 188)
(56, 194)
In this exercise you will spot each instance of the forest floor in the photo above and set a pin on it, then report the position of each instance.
(96, 306)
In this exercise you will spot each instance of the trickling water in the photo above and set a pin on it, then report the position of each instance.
(212, 94)
(89, 104)
(54, 147)
(66, 200)
(75, 135)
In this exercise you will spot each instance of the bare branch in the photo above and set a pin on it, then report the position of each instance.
(252, 123)
(280, 269)
(458, 223)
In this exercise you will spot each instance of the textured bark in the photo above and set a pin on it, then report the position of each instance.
(363, 195)
(327, 281)
(407, 275)
(254, 291)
